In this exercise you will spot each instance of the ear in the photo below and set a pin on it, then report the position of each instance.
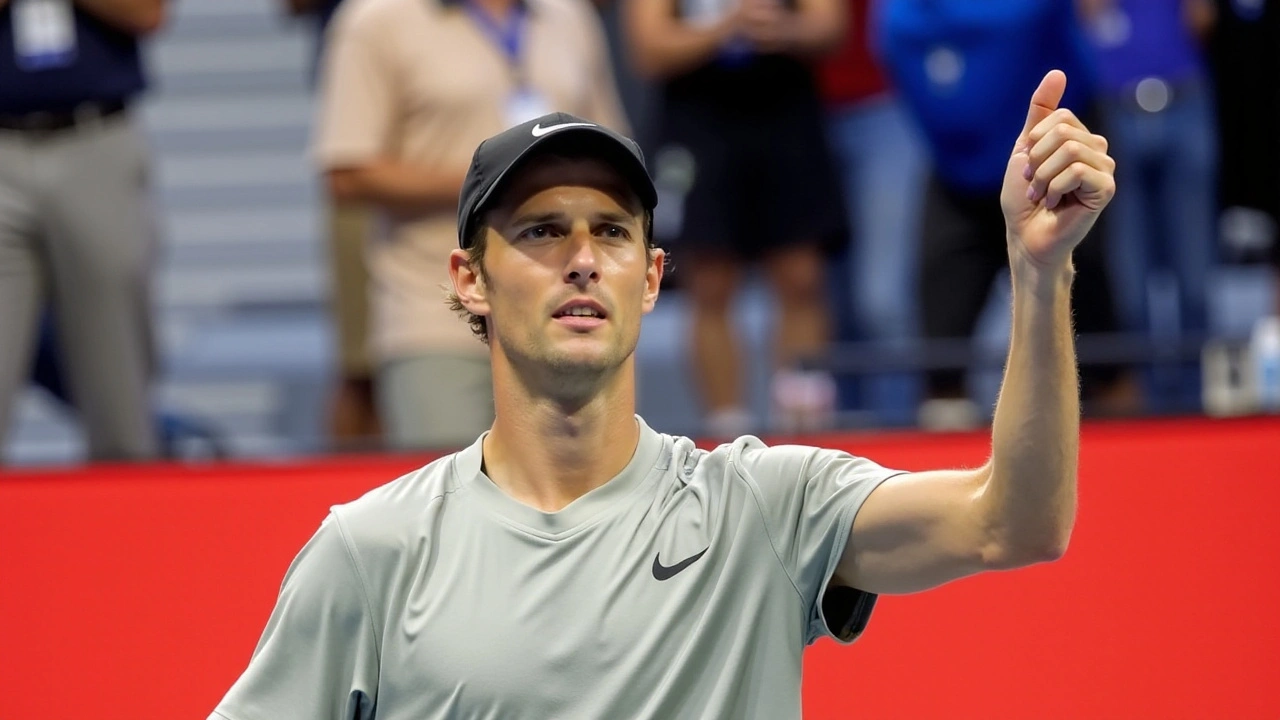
(468, 283)
(653, 279)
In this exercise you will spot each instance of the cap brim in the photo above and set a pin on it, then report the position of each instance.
(587, 140)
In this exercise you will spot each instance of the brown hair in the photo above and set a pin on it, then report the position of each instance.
(475, 258)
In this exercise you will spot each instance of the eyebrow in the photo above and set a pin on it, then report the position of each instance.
(618, 218)
(537, 218)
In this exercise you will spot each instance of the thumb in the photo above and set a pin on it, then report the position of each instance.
(1044, 100)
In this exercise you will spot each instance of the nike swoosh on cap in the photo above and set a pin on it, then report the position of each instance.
(539, 131)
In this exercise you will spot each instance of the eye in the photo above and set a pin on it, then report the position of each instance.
(614, 232)
(537, 232)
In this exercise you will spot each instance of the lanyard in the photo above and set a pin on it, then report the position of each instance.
(507, 36)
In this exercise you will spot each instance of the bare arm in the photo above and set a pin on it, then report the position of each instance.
(920, 530)
(820, 25)
(1200, 16)
(396, 186)
(661, 45)
(137, 17)
(815, 27)
(359, 104)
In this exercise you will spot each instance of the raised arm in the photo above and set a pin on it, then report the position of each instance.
(920, 530)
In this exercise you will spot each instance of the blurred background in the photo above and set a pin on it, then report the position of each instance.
(213, 213)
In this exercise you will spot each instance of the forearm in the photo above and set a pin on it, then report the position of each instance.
(674, 48)
(396, 186)
(818, 28)
(137, 17)
(1030, 492)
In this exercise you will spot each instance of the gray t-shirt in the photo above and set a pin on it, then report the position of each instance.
(686, 587)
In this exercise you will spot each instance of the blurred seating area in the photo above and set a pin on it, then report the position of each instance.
(247, 354)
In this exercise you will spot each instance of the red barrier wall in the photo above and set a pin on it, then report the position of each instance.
(139, 592)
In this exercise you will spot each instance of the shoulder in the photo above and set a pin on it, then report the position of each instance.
(389, 515)
(364, 16)
(760, 465)
(747, 458)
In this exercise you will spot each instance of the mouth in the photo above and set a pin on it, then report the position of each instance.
(580, 314)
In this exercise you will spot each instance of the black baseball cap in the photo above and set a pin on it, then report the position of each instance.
(497, 157)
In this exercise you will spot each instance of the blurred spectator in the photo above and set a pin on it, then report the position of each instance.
(636, 92)
(1157, 111)
(1245, 50)
(883, 167)
(76, 229)
(965, 69)
(409, 88)
(746, 175)
(353, 414)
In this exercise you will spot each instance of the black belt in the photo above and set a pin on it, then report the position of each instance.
(84, 113)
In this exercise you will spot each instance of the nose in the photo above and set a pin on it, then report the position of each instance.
(583, 267)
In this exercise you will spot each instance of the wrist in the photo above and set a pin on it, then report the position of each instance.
(1041, 278)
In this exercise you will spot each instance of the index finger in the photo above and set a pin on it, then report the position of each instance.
(1061, 116)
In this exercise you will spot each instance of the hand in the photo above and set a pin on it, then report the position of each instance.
(766, 24)
(1058, 180)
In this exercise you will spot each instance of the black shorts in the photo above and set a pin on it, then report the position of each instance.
(746, 184)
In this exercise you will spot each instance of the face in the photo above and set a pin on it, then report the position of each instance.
(567, 275)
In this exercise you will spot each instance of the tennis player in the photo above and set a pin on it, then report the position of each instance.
(575, 563)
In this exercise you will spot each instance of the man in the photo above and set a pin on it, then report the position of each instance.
(883, 165)
(353, 412)
(1156, 105)
(1244, 50)
(964, 69)
(743, 157)
(408, 88)
(76, 232)
(573, 562)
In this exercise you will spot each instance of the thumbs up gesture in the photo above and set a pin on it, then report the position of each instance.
(1058, 180)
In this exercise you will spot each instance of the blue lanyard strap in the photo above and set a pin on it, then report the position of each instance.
(507, 36)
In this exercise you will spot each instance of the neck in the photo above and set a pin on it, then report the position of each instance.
(547, 450)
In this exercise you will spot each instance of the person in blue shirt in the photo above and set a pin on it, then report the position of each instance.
(76, 236)
(962, 67)
(1157, 107)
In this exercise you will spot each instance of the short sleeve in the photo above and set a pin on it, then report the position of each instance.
(318, 657)
(809, 497)
(357, 98)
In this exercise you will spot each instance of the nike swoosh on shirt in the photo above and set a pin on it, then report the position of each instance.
(663, 572)
(539, 131)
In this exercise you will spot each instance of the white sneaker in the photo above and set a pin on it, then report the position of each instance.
(729, 423)
(803, 401)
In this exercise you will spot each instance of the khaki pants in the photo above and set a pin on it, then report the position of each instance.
(349, 230)
(435, 401)
(76, 236)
